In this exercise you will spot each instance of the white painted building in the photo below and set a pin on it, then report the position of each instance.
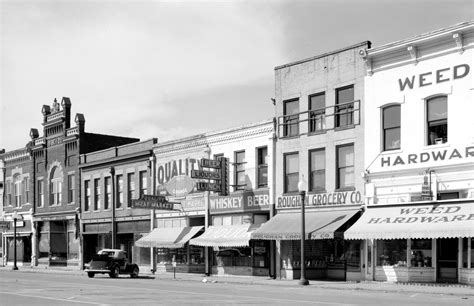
(419, 158)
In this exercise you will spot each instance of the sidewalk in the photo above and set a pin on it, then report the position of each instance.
(431, 288)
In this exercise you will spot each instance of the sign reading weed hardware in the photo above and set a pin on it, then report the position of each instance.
(152, 202)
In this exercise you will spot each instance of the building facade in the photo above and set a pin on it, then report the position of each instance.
(320, 122)
(110, 180)
(419, 164)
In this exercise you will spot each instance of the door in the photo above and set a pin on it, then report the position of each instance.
(447, 260)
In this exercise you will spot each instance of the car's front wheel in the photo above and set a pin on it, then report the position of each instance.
(90, 274)
(134, 273)
(115, 272)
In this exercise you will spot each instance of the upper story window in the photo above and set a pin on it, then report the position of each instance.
(17, 186)
(437, 120)
(344, 110)
(391, 127)
(143, 183)
(40, 193)
(317, 119)
(345, 166)
(26, 189)
(317, 166)
(55, 186)
(292, 174)
(87, 195)
(262, 167)
(119, 191)
(130, 188)
(96, 194)
(291, 118)
(70, 188)
(108, 192)
(239, 170)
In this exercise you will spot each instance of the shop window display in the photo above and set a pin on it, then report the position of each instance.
(421, 253)
(353, 255)
(465, 252)
(233, 257)
(392, 252)
(179, 255)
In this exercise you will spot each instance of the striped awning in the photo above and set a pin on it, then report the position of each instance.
(170, 238)
(225, 236)
(318, 225)
(437, 220)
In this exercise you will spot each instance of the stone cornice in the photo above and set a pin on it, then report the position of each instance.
(16, 156)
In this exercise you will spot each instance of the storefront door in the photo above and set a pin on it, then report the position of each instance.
(447, 262)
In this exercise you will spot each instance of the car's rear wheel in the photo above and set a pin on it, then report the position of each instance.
(90, 274)
(134, 273)
(115, 272)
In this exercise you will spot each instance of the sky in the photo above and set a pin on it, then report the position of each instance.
(171, 69)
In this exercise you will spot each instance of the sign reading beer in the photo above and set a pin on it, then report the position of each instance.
(242, 202)
(152, 202)
(320, 199)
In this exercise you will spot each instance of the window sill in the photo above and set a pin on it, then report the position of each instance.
(291, 193)
(345, 189)
(440, 145)
(317, 192)
(346, 127)
(290, 137)
(322, 132)
(388, 152)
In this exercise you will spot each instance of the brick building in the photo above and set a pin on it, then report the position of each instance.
(42, 183)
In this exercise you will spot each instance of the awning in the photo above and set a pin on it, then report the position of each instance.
(318, 225)
(446, 220)
(225, 236)
(171, 238)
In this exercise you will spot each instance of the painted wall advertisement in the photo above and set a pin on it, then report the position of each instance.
(257, 200)
(320, 199)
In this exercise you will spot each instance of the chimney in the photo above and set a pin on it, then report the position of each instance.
(80, 122)
(66, 104)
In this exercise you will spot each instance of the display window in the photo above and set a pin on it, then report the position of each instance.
(467, 251)
(421, 253)
(229, 257)
(353, 255)
(392, 252)
(180, 255)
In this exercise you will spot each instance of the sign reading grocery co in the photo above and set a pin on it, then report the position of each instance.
(320, 199)
(247, 201)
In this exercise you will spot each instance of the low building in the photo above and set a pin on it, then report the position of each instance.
(419, 164)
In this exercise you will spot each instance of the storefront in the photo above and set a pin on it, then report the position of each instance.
(23, 243)
(327, 254)
(419, 242)
(173, 252)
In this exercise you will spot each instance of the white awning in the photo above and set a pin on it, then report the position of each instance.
(225, 236)
(438, 220)
(171, 238)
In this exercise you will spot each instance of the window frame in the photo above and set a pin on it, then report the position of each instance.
(71, 188)
(130, 188)
(87, 195)
(17, 190)
(310, 170)
(262, 165)
(40, 186)
(316, 115)
(97, 193)
(285, 174)
(142, 183)
(107, 192)
(346, 109)
(338, 167)
(385, 129)
(238, 172)
(437, 122)
(291, 121)
(119, 191)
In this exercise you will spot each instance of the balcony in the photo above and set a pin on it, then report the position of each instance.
(54, 116)
(318, 121)
(72, 131)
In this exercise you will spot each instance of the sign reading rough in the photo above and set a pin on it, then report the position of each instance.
(320, 199)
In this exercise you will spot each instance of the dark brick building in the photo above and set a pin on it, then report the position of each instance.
(48, 172)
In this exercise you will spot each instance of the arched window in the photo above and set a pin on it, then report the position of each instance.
(391, 127)
(55, 186)
(437, 120)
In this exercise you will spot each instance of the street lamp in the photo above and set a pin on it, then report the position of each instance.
(15, 217)
(301, 188)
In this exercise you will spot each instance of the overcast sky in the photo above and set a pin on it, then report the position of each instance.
(170, 69)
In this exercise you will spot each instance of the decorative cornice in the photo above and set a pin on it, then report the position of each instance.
(17, 155)
(413, 53)
(459, 41)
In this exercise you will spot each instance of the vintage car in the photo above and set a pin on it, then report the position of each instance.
(113, 262)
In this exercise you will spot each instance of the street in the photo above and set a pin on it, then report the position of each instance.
(59, 289)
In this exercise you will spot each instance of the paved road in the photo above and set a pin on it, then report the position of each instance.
(62, 289)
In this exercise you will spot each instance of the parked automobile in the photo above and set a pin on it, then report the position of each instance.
(113, 262)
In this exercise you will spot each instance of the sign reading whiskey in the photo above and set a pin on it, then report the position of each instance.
(152, 202)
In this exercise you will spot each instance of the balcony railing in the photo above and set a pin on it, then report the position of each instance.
(315, 121)
(55, 116)
(72, 131)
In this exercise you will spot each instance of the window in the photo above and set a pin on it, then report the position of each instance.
(317, 166)
(239, 170)
(437, 111)
(344, 111)
(391, 127)
(17, 190)
(55, 186)
(317, 120)
(70, 188)
(292, 174)
(345, 166)
(108, 192)
(392, 252)
(87, 198)
(291, 118)
(262, 167)
(9, 193)
(119, 191)
(130, 188)
(96, 194)
(40, 193)
(143, 182)
(26, 189)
